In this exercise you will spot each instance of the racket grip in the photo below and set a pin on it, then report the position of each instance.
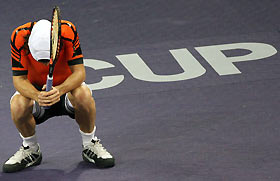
(49, 83)
(48, 87)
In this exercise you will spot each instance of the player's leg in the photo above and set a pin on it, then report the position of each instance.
(85, 114)
(21, 113)
(84, 105)
(29, 153)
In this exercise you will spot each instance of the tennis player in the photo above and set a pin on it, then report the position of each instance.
(30, 55)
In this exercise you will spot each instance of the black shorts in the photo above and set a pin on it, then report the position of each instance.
(58, 109)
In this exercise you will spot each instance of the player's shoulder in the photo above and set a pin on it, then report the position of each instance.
(67, 24)
(20, 33)
(68, 29)
(23, 30)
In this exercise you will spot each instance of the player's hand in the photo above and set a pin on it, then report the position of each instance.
(48, 98)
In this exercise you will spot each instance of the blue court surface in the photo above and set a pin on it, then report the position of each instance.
(185, 90)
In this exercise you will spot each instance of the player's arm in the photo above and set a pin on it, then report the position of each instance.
(74, 56)
(25, 88)
(74, 80)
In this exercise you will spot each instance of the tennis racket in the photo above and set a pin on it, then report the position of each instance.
(55, 45)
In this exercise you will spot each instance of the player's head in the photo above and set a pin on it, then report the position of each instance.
(39, 41)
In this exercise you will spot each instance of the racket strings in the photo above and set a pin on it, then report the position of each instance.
(55, 36)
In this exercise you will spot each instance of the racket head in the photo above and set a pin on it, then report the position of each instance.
(55, 35)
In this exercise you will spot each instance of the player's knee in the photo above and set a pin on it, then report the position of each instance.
(83, 98)
(20, 107)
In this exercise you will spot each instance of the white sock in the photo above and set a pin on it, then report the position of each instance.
(87, 137)
(30, 141)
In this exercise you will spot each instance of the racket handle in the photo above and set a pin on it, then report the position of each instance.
(48, 87)
(49, 83)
